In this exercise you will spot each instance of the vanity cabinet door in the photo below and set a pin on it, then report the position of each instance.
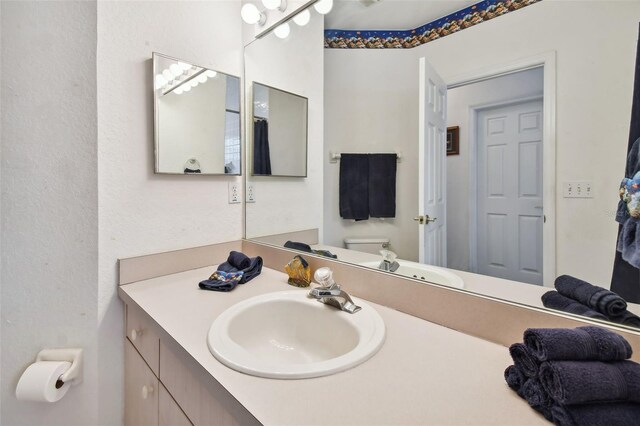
(141, 333)
(170, 413)
(140, 390)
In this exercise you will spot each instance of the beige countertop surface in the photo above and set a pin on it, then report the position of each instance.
(423, 374)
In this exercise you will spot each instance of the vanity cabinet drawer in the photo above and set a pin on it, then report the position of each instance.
(203, 399)
(141, 333)
(169, 413)
(140, 390)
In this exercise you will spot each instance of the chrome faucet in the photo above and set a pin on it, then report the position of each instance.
(388, 261)
(330, 293)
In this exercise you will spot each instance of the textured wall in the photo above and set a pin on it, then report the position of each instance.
(49, 200)
(141, 212)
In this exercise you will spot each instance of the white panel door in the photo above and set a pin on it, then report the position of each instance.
(432, 166)
(509, 192)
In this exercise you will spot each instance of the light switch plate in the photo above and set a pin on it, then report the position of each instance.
(234, 193)
(578, 189)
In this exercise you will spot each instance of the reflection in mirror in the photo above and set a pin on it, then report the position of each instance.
(279, 140)
(528, 196)
(197, 119)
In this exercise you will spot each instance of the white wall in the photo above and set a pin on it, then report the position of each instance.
(49, 203)
(141, 212)
(294, 64)
(595, 83)
(371, 101)
(521, 85)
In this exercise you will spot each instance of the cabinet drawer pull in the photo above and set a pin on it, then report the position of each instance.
(135, 333)
(146, 391)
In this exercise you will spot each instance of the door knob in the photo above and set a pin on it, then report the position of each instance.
(146, 391)
(424, 219)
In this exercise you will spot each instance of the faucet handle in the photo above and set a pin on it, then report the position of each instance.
(324, 277)
(388, 256)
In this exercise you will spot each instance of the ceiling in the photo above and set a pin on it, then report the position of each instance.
(389, 14)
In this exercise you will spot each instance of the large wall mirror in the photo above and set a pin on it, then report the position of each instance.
(482, 151)
(279, 138)
(197, 119)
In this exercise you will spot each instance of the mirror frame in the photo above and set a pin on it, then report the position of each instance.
(156, 121)
(250, 135)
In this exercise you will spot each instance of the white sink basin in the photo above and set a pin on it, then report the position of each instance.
(428, 273)
(286, 335)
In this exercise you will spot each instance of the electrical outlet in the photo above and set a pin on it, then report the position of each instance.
(583, 189)
(251, 194)
(234, 193)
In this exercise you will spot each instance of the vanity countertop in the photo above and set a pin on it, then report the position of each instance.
(423, 374)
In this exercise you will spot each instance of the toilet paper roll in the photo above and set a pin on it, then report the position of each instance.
(38, 382)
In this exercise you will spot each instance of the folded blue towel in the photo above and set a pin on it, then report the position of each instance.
(597, 298)
(537, 397)
(251, 267)
(582, 343)
(515, 378)
(524, 360)
(607, 414)
(554, 300)
(222, 281)
(581, 382)
(307, 249)
(628, 319)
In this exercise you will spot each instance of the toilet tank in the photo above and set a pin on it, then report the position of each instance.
(367, 245)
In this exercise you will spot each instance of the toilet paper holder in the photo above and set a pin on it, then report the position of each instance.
(73, 375)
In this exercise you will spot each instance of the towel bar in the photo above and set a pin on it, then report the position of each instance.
(334, 156)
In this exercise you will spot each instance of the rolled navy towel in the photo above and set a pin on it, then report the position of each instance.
(628, 319)
(524, 360)
(554, 300)
(597, 298)
(537, 397)
(251, 267)
(515, 378)
(605, 414)
(581, 382)
(579, 344)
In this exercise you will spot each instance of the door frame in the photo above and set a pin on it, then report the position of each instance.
(548, 62)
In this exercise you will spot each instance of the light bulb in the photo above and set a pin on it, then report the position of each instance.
(302, 18)
(185, 66)
(175, 69)
(178, 90)
(201, 78)
(210, 73)
(167, 74)
(193, 82)
(282, 31)
(160, 81)
(281, 5)
(323, 6)
(251, 15)
(186, 88)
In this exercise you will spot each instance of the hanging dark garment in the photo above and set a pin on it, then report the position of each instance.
(626, 278)
(261, 155)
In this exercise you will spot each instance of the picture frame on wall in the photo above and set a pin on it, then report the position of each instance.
(453, 140)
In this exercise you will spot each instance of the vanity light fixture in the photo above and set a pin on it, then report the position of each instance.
(185, 66)
(251, 15)
(302, 18)
(210, 73)
(167, 75)
(281, 5)
(178, 90)
(202, 78)
(176, 70)
(186, 88)
(323, 6)
(282, 31)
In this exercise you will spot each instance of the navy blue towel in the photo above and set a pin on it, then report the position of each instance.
(251, 267)
(554, 300)
(628, 319)
(537, 397)
(515, 378)
(382, 185)
(221, 281)
(597, 298)
(582, 343)
(524, 360)
(582, 382)
(607, 414)
(354, 186)
(307, 249)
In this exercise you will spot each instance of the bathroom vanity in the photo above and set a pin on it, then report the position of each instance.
(424, 373)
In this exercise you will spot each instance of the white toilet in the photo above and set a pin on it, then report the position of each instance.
(367, 245)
